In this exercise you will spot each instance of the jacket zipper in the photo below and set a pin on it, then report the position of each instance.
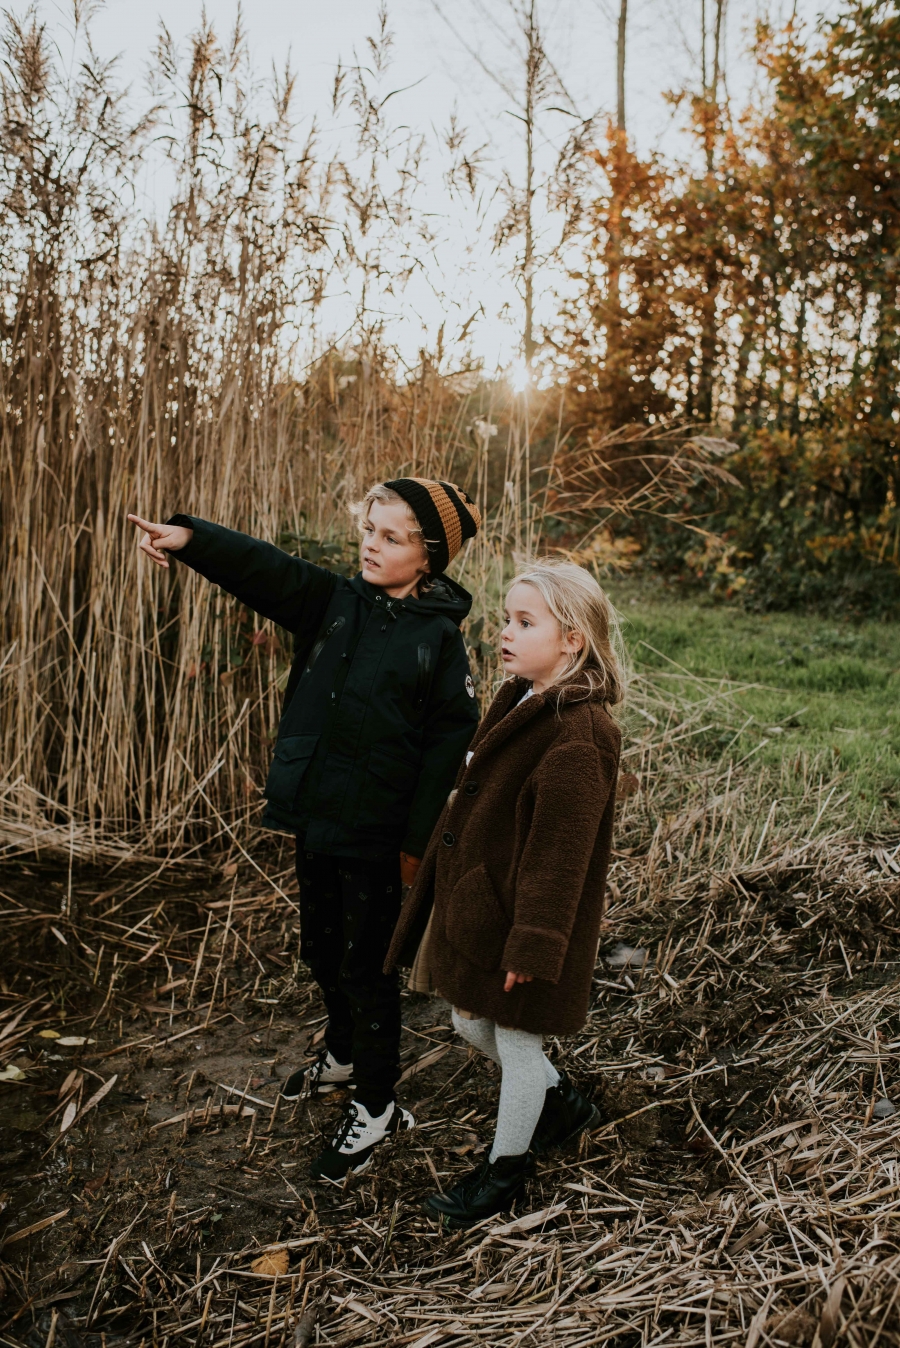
(317, 649)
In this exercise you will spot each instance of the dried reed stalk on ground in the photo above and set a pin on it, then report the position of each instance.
(741, 1188)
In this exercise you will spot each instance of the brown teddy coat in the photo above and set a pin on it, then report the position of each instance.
(516, 867)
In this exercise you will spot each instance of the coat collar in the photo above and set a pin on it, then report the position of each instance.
(504, 717)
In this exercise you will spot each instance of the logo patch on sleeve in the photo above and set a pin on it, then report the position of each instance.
(470, 687)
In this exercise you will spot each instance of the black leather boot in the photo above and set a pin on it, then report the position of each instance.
(490, 1189)
(566, 1113)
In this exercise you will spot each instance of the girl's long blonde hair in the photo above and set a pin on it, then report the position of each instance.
(579, 605)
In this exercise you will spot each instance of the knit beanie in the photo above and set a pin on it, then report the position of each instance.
(447, 516)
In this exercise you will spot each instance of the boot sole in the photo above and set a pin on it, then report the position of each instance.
(463, 1223)
(587, 1127)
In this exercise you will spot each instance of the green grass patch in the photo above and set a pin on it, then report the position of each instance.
(819, 700)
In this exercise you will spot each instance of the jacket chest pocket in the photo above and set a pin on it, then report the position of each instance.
(475, 923)
(293, 754)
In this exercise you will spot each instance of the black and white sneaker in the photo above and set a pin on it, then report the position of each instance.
(358, 1134)
(321, 1077)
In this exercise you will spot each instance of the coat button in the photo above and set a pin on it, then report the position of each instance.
(448, 839)
(471, 788)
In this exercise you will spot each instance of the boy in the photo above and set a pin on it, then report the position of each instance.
(378, 713)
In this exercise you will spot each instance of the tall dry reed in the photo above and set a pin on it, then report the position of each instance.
(158, 368)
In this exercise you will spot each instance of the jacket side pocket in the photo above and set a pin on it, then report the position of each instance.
(293, 755)
(386, 791)
(476, 924)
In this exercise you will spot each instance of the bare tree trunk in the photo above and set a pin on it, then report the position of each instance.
(534, 56)
(620, 65)
(711, 81)
(717, 48)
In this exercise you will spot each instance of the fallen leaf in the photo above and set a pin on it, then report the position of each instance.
(71, 1083)
(230, 870)
(12, 1073)
(13, 1024)
(36, 1226)
(306, 1327)
(272, 1264)
(530, 1220)
(755, 1233)
(828, 1325)
(426, 1060)
(628, 785)
(74, 1041)
(94, 1185)
(48, 1034)
(68, 1117)
(199, 1115)
(360, 1309)
(98, 1095)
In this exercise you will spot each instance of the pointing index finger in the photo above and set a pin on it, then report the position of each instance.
(144, 524)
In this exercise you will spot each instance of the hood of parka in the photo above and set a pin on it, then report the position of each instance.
(443, 597)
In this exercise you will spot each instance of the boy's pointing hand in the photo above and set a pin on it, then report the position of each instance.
(161, 538)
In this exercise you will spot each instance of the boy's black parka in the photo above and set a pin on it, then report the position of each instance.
(516, 868)
(379, 707)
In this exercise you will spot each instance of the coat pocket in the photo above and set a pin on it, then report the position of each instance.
(293, 755)
(386, 791)
(475, 923)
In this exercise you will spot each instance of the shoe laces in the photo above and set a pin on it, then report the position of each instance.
(476, 1180)
(349, 1131)
(318, 1067)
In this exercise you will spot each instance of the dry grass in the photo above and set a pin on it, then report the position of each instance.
(161, 369)
(740, 1188)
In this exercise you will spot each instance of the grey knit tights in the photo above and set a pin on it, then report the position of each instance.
(527, 1075)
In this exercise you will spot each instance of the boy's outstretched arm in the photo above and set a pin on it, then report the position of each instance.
(268, 580)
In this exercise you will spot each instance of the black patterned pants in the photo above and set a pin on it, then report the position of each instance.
(348, 911)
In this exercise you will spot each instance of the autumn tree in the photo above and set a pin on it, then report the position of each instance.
(756, 286)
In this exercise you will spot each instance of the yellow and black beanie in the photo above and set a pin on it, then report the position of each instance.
(447, 516)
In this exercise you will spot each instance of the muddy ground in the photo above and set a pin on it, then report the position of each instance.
(142, 1221)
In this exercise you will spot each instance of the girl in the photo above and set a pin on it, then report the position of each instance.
(514, 873)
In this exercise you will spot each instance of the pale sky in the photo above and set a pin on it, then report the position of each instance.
(443, 67)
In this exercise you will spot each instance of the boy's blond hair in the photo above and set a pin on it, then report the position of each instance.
(579, 605)
(387, 496)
